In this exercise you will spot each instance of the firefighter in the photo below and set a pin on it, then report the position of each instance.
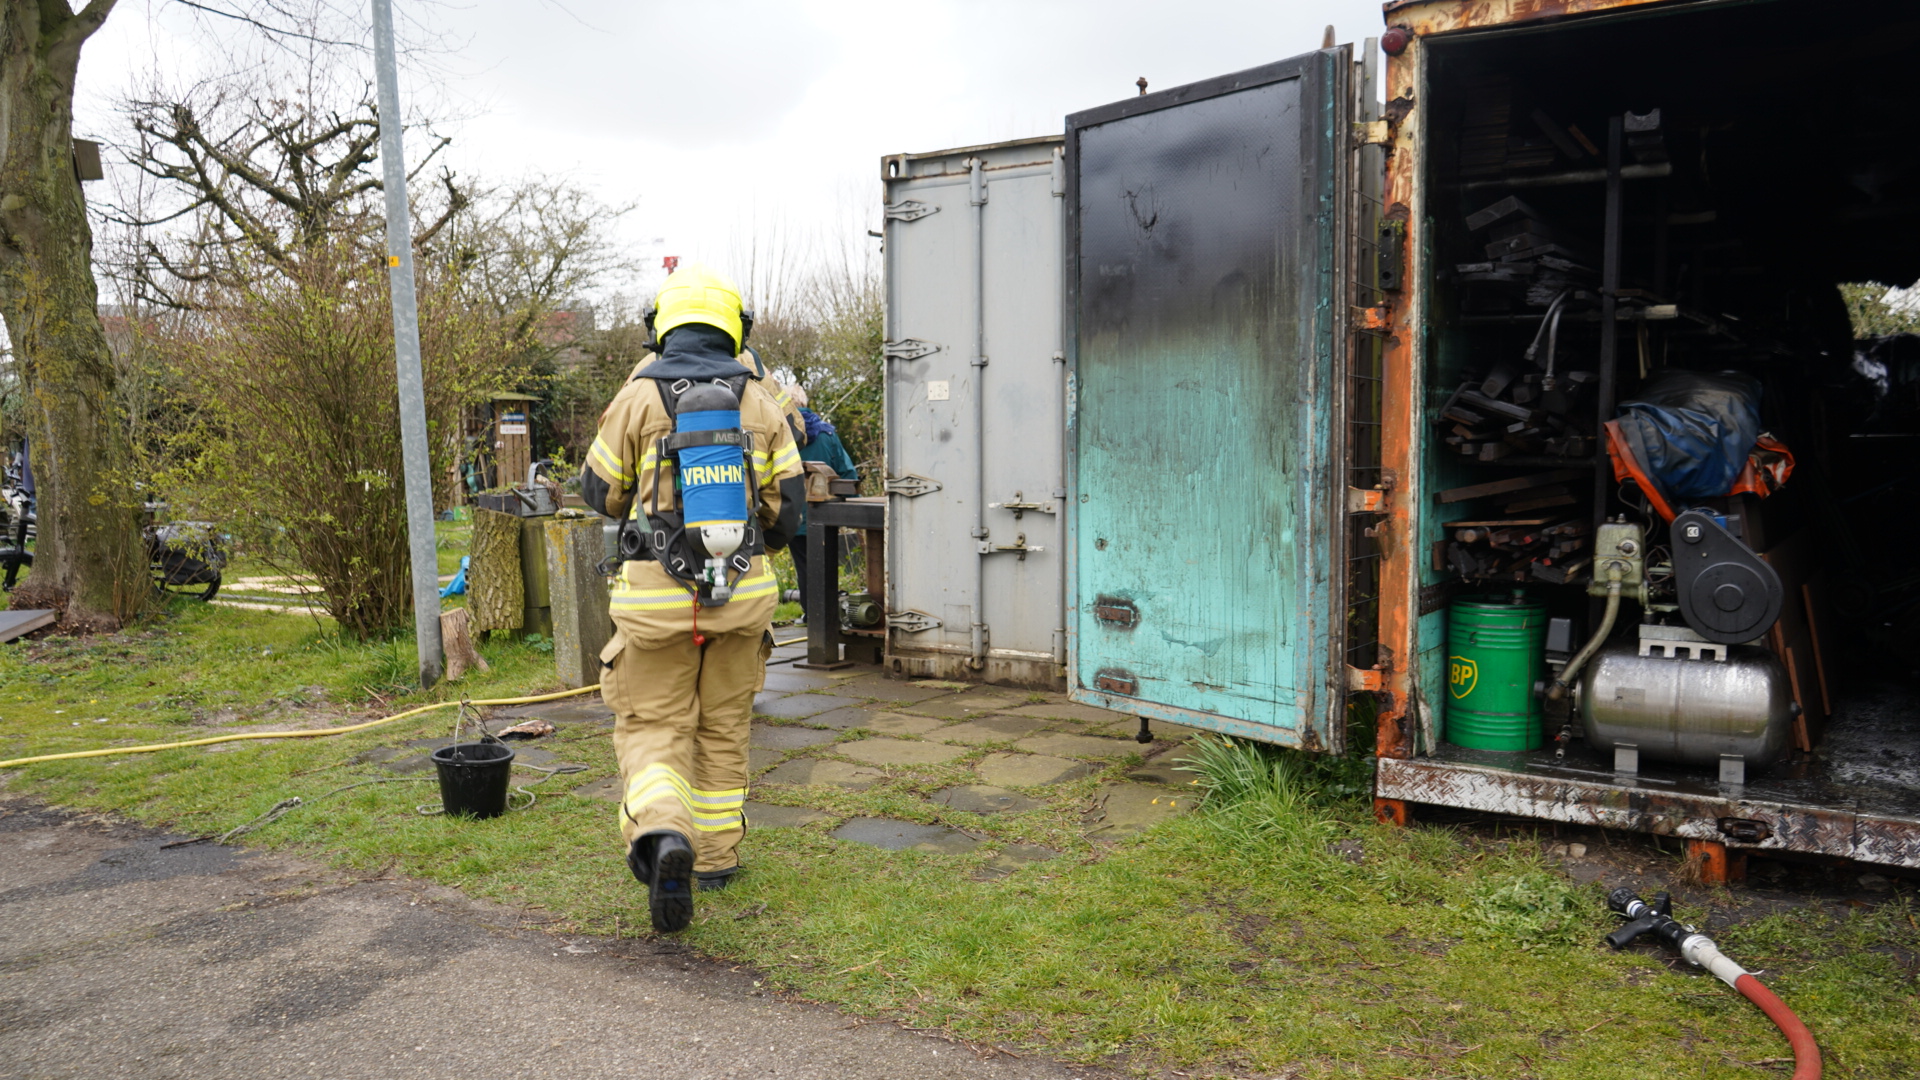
(690, 435)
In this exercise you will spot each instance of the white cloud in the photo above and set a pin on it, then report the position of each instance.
(723, 116)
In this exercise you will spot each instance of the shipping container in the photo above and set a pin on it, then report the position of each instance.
(975, 391)
(1311, 415)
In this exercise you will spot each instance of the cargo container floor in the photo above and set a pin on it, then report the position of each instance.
(1857, 796)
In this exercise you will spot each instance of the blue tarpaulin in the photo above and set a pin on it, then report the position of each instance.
(1692, 431)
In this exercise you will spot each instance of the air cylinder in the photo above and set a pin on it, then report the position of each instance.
(1495, 657)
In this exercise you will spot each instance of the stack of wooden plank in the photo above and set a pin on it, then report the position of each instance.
(1516, 545)
(1505, 412)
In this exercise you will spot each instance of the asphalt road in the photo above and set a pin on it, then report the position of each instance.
(119, 958)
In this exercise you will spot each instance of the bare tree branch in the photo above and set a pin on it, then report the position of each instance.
(275, 31)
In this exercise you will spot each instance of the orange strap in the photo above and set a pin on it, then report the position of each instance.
(1627, 467)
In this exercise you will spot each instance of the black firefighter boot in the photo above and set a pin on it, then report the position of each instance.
(663, 862)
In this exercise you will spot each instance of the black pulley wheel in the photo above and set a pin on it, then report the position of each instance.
(1727, 593)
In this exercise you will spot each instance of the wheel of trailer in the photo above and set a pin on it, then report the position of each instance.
(199, 590)
(14, 560)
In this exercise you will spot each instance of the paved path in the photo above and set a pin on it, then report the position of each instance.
(119, 958)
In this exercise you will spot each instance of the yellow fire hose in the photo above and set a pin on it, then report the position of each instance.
(313, 734)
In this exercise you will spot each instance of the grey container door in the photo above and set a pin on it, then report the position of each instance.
(1206, 477)
(940, 249)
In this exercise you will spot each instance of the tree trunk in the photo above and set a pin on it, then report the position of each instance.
(89, 561)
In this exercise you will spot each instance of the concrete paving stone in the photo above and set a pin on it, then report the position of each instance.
(839, 774)
(792, 682)
(899, 752)
(1012, 857)
(963, 706)
(430, 745)
(768, 816)
(543, 708)
(408, 766)
(765, 698)
(853, 716)
(558, 714)
(1126, 809)
(989, 729)
(801, 706)
(984, 799)
(1069, 710)
(782, 737)
(760, 757)
(1128, 726)
(905, 836)
(1060, 744)
(901, 724)
(1028, 770)
(530, 755)
(882, 688)
(376, 756)
(1165, 770)
(609, 790)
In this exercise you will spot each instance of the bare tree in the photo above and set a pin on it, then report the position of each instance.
(263, 180)
(89, 563)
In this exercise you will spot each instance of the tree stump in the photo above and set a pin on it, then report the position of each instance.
(495, 593)
(458, 644)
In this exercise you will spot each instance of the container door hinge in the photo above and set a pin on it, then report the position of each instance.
(911, 622)
(1366, 501)
(911, 485)
(1369, 318)
(1116, 611)
(910, 210)
(908, 349)
(1372, 133)
(1359, 679)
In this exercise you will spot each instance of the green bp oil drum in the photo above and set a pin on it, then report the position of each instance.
(1495, 649)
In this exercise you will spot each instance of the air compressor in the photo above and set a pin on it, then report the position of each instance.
(1701, 693)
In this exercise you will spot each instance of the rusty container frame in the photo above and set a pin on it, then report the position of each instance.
(1718, 825)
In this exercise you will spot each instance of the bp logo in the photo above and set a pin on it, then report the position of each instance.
(1462, 675)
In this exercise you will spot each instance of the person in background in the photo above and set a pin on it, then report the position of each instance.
(822, 450)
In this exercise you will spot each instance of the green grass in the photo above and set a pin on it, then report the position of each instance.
(1243, 940)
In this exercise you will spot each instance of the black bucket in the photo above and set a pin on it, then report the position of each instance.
(474, 778)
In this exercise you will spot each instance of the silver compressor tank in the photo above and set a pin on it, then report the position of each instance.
(1677, 697)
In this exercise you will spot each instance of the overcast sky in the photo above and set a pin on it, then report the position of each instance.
(719, 118)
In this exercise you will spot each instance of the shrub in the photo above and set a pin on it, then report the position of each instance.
(300, 449)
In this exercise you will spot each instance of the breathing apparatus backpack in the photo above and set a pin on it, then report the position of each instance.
(709, 542)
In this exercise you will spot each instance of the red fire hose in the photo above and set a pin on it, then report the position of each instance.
(1699, 950)
(1806, 1053)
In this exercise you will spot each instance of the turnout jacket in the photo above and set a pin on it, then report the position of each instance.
(650, 607)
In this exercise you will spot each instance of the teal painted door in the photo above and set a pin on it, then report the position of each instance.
(1207, 493)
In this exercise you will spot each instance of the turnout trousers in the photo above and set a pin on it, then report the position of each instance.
(681, 718)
